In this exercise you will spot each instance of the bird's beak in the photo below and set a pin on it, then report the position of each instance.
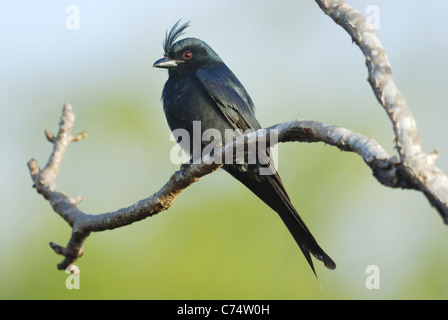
(165, 63)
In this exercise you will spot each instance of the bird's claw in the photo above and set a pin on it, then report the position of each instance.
(184, 167)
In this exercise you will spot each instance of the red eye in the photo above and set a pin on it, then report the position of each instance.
(188, 55)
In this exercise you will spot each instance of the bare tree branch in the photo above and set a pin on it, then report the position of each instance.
(83, 224)
(414, 169)
(419, 169)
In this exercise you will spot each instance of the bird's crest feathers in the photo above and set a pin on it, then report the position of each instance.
(175, 32)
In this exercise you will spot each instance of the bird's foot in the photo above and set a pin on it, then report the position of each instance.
(185, 166)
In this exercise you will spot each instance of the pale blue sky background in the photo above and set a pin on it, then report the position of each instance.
(293, 60)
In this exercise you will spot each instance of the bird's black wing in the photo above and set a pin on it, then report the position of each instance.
(236, 105)
(230, 96)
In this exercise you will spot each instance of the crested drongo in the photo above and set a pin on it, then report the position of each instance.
(200, 87)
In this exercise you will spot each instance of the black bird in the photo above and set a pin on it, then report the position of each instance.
(202, 88)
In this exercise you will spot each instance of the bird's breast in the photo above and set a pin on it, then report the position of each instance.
(186, 101)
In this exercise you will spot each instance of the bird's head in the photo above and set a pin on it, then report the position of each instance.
(185, 54)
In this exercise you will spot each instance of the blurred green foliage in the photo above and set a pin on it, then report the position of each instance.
(217, 241)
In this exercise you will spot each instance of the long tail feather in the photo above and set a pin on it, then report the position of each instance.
(270, 189)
